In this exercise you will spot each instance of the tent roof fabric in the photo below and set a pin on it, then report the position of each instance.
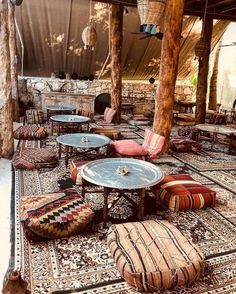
(51, 32)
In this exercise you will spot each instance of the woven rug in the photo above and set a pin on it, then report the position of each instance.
(82, 264)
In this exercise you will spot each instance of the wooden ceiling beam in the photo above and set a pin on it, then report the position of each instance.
(229, 8)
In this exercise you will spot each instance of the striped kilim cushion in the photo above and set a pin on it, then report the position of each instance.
(30, 133)
(181, 192)
(55, 215)
(34, 158)
(153, 143)
(153, 255)
(34, 116)
(75, 167)
(109, 114)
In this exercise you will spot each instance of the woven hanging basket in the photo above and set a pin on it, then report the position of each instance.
(151, 11)
(200, 49)
(89, 37)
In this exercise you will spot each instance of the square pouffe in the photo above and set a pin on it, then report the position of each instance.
(34, 158)
(181, 192)
(153, 255)
(56, 215)
(30, 132)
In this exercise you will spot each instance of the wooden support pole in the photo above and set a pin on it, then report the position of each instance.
(164, 102)
(13, 58)
(5, 85)
(116, 66)
(213, 83)
(203, 72)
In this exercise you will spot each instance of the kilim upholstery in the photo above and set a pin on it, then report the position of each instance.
(153, 255)
(181, 192)
(34, 158)
(109, 114)
(56, 215)
(75, 167)
(108, 132)
(34, 116)
(27, 132)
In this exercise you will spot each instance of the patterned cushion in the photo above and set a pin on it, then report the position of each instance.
(109, 114)
(181, 192)
(30, 133)
(75, 167)
(110, 133)
(56, 215)
(34, 158)
(154, 255)
(153, 143)
(34, 116)
(128, 148)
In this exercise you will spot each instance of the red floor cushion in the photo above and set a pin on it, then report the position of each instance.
(55, 215)
(34, 158)
(30, 133)
(181, 192)
(75, 167)
(153, 255)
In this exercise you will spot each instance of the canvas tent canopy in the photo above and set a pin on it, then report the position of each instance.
(51, 37)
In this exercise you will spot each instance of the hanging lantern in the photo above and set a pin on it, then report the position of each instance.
(201, 49)
(150, 12)
(89, 37)
(16, 2)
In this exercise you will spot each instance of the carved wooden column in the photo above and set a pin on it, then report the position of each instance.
(168, 69)
(203, 71)
(6, 124)
(13, 58)
(116, 66)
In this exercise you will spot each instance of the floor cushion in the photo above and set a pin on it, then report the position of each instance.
(181, 192)
(56, 215)
(109, 115)
(108, 132)
(34, 158)
(75, 167)
(153, 255)
(30, 133)
(34, 116)
(128, 148)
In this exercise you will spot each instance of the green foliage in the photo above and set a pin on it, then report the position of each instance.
(193, 80)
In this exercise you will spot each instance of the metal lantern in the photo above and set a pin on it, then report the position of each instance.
(16, 2)
(200, 49)
(89, 37)
(150, 12)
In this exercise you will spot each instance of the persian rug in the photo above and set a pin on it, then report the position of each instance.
(226, 179)
(82, 263)
(209, 161)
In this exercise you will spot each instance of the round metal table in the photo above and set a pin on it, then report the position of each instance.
(68, 119)
(81, 140)
(60, 108)
(105, 172)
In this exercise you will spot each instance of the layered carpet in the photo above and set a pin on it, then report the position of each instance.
(83, 264)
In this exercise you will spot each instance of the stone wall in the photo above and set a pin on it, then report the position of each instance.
(138, 93)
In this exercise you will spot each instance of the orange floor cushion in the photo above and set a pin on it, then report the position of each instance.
(181, 192)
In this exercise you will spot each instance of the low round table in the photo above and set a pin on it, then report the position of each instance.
(68, 119)
(81, 140)
(105, 172)
(59, 108)
(215, 130)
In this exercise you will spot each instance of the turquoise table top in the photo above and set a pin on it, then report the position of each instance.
(70, 118)
(83, 140)
(60, 107)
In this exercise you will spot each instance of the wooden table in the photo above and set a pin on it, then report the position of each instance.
(77, 140)
(104, 172)
(215, 130)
